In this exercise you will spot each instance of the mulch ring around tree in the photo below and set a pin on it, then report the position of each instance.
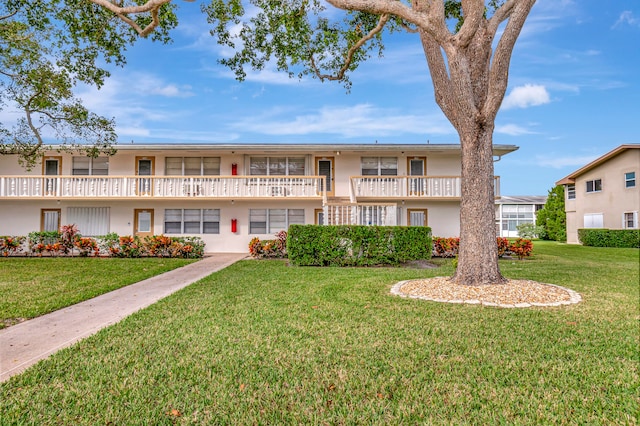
(512, 294)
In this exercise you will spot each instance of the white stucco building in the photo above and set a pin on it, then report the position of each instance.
(229, 193)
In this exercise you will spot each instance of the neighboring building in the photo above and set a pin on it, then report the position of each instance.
(512, 211)
(605, 193)
(228, 194)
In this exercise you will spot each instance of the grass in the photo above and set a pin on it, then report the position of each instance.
(30, 287)
(263, 343)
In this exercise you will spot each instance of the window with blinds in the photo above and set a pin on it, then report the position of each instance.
(192, 221)
(87, 166)
(276, 166)
(379, 166)
(192, 166)
(267, 221)
(90, 221)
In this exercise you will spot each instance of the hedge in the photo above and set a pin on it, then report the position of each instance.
(629, 238)
(351, 245)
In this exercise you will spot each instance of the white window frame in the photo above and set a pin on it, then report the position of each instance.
(593, 220)
(205, 218)
(596, 186)
(634, 219)
(92, 168)
(183, 168)
(270, 163)
(380, 168)
(571, 191)
(630, 181)
(266, 218)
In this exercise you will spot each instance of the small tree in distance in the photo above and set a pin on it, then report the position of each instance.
(552, 217)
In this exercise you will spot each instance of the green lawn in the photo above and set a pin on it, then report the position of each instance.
(30, 287)
(263, 343)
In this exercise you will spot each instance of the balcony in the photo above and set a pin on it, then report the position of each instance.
(409, 187)
(361, 214)
(163, 187)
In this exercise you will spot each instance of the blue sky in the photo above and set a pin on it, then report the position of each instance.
(573, 94)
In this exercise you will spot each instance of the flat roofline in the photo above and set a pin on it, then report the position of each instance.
(498, 149)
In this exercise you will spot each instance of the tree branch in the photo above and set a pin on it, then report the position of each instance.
(473, 16)
(151, 6)
(2, 18)
(385, 7)
(352, 50)
(499, 73)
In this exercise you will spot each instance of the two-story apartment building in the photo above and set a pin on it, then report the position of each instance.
(229, 193)
(605, 193)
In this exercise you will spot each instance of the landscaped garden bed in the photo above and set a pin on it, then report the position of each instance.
(68, 242)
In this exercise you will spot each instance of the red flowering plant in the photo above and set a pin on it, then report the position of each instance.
(158, 245)
(87, 246)
(445, 247)
(130, 246)
(276, 248)
(11, 245)
(521, 248)
(503, 246)
(68, 237)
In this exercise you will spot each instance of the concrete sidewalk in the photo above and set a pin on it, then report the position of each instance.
(24, 344)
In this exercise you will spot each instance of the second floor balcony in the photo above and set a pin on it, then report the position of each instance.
(163, 187)
(360, 189)
(408, 187)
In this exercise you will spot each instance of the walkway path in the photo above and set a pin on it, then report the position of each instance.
(24, 344)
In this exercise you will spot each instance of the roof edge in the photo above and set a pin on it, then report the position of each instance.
(571, 178)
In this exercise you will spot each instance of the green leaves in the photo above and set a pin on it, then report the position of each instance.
(295, 35)
(552, 217)
(46, 48)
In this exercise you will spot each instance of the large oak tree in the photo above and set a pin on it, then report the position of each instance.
(467, 44)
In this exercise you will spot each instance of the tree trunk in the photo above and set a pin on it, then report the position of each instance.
(478, 252)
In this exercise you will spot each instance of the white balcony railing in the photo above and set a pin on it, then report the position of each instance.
(361, 214)
(238, 187)
(408, 187)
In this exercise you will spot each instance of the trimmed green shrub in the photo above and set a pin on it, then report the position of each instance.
(621, 238)
(355, 245)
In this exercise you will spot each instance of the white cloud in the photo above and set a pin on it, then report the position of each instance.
(526, 96)
(627, 18)
(556, 162)
(513, 130)
(354, 121)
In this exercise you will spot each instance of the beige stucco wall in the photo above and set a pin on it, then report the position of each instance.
(612, 201)
(20, 217)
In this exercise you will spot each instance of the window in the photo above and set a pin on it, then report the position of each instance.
(276, 166)
(87, 166)
(267, 221)
(630, 220)
(594, 185)
(571, 191)
(593, 220)
(192, 221)
(630, 180)
(192, 166)
(50, 220)
(379, 166)
(91, 221)
(516, 214)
